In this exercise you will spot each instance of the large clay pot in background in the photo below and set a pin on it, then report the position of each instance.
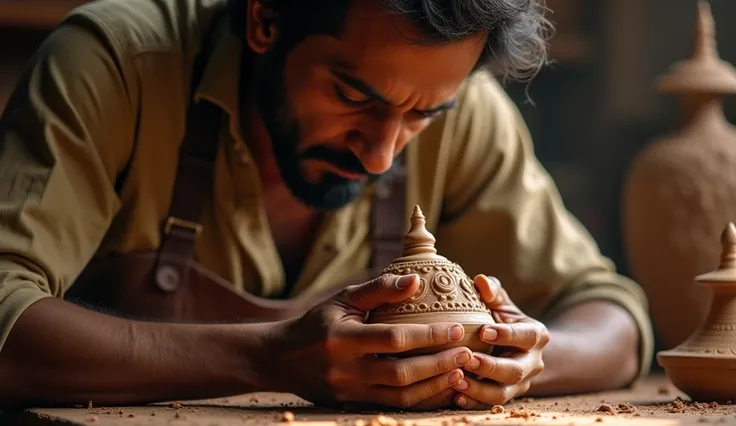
(681, 190)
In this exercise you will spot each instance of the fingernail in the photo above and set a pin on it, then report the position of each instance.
(473, 364)
(454, 378)
(490, 334)
(455, 333)
(405, 281)
(462, 359)
(461, 385)
(461, 400)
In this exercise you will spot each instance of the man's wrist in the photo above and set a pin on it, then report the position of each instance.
(252, 351)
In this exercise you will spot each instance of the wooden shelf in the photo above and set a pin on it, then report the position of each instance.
(41, 14)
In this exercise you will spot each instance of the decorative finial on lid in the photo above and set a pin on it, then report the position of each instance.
(728, 242)
(418, 241)
(704, 71)
(704, 37)
(726, 271)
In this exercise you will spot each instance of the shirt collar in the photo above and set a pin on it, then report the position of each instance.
(220, 82)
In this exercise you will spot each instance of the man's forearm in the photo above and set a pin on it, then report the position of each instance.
(593, 347)
(58, 353)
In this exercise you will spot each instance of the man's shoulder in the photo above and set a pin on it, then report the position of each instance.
(135, 27)
(484, 101)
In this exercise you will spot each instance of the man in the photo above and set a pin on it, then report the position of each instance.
(302, 110)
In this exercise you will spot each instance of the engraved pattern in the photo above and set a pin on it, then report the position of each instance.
(723, 327)
(709, 342)
(446, 278)
(469, 289)
(716, 337)
(444, 287)
(421, 291)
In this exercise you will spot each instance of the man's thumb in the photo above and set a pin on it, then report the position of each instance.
(382, 290)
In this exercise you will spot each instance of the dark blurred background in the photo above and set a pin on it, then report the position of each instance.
(592, 111)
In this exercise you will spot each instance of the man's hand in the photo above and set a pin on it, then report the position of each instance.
(519, 341)
(331, 357)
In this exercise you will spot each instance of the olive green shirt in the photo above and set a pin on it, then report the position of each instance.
(110, 88)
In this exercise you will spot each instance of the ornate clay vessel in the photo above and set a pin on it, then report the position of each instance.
(704, 366)
(681, 190)
(445, 292)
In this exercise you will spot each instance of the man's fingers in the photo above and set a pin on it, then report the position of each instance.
(521, 335)
(395, 338)
(444, 399)
(481, 395)
(408, 396)
(507, 371)
(407, 371)
(467, 403)
(489, 289)
(382, 290)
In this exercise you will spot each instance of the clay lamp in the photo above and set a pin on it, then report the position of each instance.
(445, 292)
(704, 365)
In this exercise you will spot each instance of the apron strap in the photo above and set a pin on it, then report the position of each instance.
(194, 182)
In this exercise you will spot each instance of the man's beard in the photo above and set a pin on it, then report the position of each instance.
(331, 191)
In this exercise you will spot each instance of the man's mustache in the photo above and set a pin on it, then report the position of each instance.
(345, 160)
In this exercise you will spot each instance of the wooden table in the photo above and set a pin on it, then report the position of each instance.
(653, 402)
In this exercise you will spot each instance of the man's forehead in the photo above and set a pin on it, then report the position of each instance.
(386, 46)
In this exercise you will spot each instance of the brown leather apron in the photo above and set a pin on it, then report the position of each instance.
(170, 285)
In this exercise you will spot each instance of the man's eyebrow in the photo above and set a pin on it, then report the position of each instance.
(360, 86)
(364, 88)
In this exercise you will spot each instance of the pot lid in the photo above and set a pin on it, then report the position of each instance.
(704, 71)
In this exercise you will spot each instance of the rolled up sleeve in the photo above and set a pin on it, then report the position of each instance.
(64, 134)
(503, 216)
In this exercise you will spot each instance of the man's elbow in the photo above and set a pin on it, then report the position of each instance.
(628, 361)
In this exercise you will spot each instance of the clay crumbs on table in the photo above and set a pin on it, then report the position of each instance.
(680, 406)
(521, 414)
(622, 408)
(288, 417)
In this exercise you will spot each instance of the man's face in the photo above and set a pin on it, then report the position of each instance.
(340, 110)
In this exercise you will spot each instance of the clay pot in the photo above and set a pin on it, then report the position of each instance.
(681, 189)
(704, 366)
(445, 294)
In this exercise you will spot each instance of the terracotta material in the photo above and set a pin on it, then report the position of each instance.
(446, 293)
(704, 366)
(681, 190)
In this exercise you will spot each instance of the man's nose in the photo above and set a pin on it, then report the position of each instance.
(380, 142)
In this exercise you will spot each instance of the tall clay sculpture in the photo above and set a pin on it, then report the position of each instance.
(681, 190)
(445, 292)
(704, 366)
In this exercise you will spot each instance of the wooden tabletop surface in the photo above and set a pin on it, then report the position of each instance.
(652, 402)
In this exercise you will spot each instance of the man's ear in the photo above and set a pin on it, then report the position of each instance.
(261, 30)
